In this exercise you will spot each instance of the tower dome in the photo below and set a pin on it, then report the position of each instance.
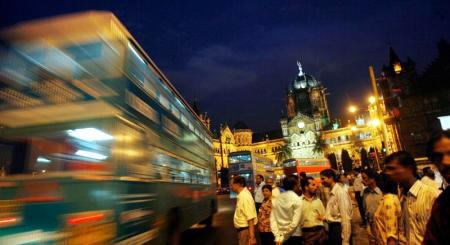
(304, 80)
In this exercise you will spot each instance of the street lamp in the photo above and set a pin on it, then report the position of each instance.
(352, 109)
(372, 100)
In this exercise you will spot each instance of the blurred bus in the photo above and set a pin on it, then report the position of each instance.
(96, 145)
(249, 164)
(312, 167)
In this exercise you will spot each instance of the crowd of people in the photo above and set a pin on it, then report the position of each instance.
(396, 205)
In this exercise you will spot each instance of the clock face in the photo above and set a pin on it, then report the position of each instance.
(301, 124)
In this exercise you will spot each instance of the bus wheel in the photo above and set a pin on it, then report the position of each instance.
(174, 227)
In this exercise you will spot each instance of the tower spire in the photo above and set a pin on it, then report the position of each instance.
(393, 57)
(300, 68)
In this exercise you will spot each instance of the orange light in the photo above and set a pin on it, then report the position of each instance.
(85, 219)
(8, 221)
(352, 109)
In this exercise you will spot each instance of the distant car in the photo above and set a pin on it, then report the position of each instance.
(223, 191)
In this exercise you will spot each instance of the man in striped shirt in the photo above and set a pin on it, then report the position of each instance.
(417, 198)
(338, 212)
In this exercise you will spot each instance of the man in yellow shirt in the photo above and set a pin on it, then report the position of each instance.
(245, 217)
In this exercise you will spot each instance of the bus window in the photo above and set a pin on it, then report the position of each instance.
(64, 150)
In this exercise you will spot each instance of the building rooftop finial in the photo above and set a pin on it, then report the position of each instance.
(300, 68)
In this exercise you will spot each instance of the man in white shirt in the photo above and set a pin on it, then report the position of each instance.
(338, 212)
(245, 217)
(286, 213)
(313, 214)
(275, 189)
(259, 198)
(358, 187)
(371, 199)
(417, 198)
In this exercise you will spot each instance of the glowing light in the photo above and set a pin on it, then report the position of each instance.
(352, 109)
(372, 100)
(43, 160)
(135, 52)
(397, 68)
(7, 221)
(374, 123)
(301, 124)
(354, 128)
(85, 219)
(90, 154)
(89, 134)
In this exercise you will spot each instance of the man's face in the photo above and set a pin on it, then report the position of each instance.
(397, 172)
(366, 179)
(441, 157)
(269, 182)
(258, 180)
(326, 181)
(311, 187)
(234, 187)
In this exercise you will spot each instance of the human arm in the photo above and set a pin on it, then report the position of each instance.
(251, 232)
(344, 205)
(274, 225)
(391, 210)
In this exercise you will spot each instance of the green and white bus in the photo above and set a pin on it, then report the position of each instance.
(96, 145)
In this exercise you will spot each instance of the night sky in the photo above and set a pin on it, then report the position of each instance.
(237, 57)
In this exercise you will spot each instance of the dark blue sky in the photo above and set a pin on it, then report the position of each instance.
(237, 57)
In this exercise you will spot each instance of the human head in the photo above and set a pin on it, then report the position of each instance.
(290, 183)
(302, 175)
(427, 171)
(259, 178)
(438, 152)
(309, 185)
(387, 185)
(267, 191)
(270, 181)
(369, 177)
(238, 183)
(328, 177)
(401, 167)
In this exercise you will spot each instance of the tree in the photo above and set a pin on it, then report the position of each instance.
(347, 162)
(283, 154)
(333, 161)
(364, 158)
(319, 144)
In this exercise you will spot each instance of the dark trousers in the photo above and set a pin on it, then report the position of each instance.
(362, 212)
(334, 233)
(314, 236)
(294, 240)
(267, 238)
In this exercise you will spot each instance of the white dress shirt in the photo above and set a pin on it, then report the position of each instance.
(259, 198)
(358, 183)
(245, 209)
(311, 209)
(339, 209)
(286, 215)
(416, 210)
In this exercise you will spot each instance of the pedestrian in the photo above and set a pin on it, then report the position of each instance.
(358, 187)
(429, 178)
(338, 211)
(275, 189)
(265, 233)
(438, 227)
(313, 213)
(245, 213)
(387, 216)
(286, 213)
(416, 198)
(259, 181)
(371, 199)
